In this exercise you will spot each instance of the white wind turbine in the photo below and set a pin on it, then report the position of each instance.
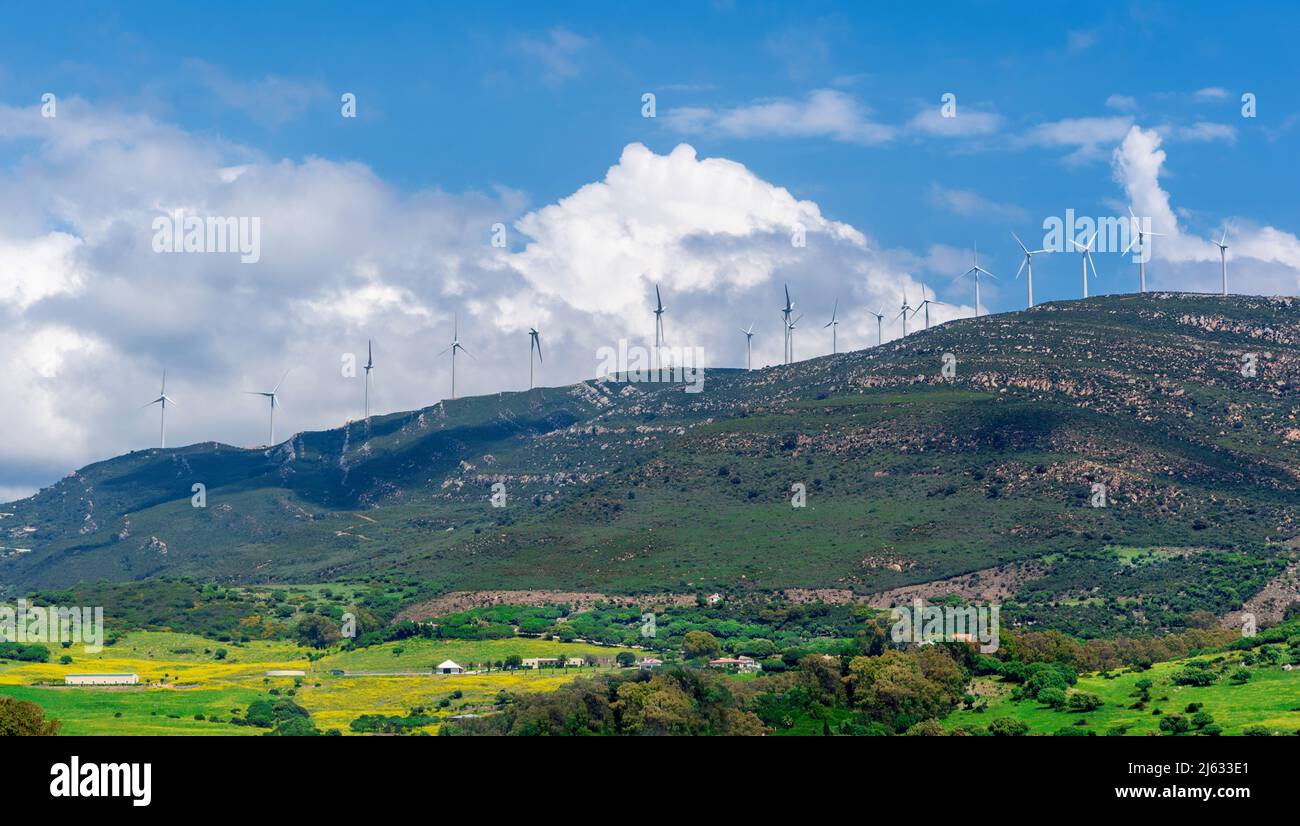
(274, 396)
(455, 345)
(785, 322)
(789, 334)
(370, 365)
(1085, 252)
(1141, 243)
(659, 330)
(534, 342)
(1028, 263)
(163, 400)
(925, 305)
(903, 314)
(749, 342)
(1223, 257)
(834, 324)
(976, 270)
(880, 326)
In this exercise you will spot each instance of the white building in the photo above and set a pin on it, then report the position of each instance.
(101, 679)
(286, 672)
(449, 667)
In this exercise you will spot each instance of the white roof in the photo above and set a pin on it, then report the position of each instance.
(448, 664)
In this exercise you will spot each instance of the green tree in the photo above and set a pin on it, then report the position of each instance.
(22, 718)
(315, 631)
(700, 644)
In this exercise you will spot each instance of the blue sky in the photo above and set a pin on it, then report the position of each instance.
(523, 113)
(459, 99)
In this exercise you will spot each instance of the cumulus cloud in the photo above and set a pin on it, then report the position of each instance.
(1262, 259)
(967, 202)
(93, 315)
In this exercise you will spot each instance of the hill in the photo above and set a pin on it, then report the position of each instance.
(984, 481)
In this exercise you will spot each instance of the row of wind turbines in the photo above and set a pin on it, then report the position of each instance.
(788, 320)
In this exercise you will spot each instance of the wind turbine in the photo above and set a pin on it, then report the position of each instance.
(370, 365)
(1085, 250)
(834, 324)
(534, 341)
(659, 330)
(925, 305)
(275, 402)
(1140, 242)
(1028, 263)
(785, 321)
(164, 400)
(977, 270)
(903, 314)
(880, 326)
(789, 334)
(749, 341)
(1223, 257)
(455, 345)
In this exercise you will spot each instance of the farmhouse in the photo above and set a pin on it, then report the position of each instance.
(286, 673)
(101, 679)
(449, 667)
(540, 662)
(649, 663)
(741, 663)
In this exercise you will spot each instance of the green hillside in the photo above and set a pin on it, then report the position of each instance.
(910, 477)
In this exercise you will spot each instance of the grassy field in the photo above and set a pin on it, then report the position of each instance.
(1271, 699)
(181, 678)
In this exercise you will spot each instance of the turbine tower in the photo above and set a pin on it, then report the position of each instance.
(749, 342)
(789, 335)
(1029, 264)
(163, 400)
(370, 365)
(976, 270)
(1085, 252)
(834, 324)
(534, 342)
(925, 305)
(274, 396)
(1141, 243)
(880, 326)
(1223, 257)
(455, 345)
(785, 321)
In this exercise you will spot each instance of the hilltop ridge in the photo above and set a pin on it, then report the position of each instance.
(911, 476)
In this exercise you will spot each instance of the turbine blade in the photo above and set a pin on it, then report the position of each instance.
(1023, 261)
(1021, 243)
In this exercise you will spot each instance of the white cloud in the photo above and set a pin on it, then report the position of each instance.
(1123, 102)
(1088, 137)
(967, 203)
(272, 100)
(966, 122)
(1261, 259)
(1211, 93)
(556, 52)
(1205, 132)
(346, 257)
(825, 113)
